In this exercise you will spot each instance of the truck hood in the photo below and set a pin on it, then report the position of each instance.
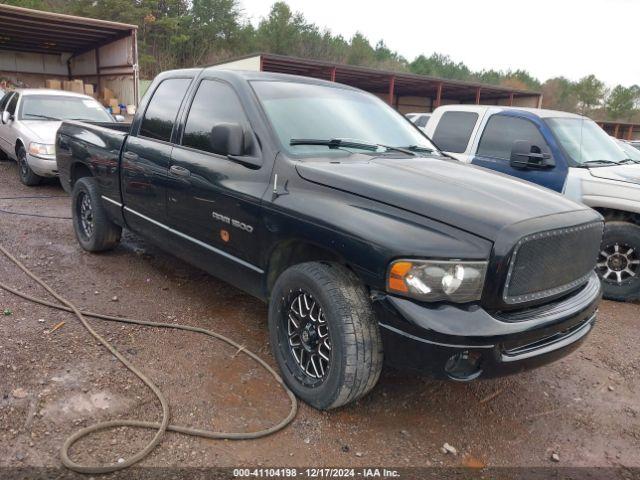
(629, 173)
(42, 131)
(467, 197)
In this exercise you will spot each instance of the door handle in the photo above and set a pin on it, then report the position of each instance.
(130, 156)
(179, 171)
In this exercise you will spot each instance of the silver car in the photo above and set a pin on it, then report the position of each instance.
(29, 120)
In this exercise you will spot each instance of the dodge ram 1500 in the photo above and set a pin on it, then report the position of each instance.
(363, 238)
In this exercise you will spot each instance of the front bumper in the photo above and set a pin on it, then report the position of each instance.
(464, 343)
(44, 167)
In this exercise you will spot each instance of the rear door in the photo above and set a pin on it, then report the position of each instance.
(453, 132)
(146, 156)
(496, 142)
(211, 199)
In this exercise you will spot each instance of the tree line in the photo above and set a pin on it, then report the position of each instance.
(185, 33)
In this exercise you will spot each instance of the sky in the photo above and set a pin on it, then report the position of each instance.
(548, 38)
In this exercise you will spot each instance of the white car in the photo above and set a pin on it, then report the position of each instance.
(29, 120)
(419, 119)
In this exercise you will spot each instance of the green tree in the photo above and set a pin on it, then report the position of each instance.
(621, 102)
(281, 31)
(214, 30)
(590, 92)
(361, 52)
(559, 94)
(440, 66)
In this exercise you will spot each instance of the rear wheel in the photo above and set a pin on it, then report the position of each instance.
(93, 229)
(27, 177)
(619, 261)
(324, 334)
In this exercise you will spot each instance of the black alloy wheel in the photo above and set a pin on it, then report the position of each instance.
(85, 214)
(94, 230)
(309, 339)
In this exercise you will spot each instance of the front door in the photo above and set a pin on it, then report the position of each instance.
(496, 143)
(8, 134)
(215, 201)
(3, 128)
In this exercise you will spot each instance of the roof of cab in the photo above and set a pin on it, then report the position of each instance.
(250, 75)
(49, 91)
(540, 112)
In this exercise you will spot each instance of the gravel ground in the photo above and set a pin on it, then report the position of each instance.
(584, 408)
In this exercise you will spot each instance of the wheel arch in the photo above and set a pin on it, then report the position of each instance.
(19, 143)
(78, 170)
(293, 252)
(617, 215)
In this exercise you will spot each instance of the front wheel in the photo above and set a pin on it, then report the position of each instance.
(324, 334)
(619, 261)
(94, 231)
(27, 176)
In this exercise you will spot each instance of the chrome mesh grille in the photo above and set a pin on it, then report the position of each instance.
(552, 262)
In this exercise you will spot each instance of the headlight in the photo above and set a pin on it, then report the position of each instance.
(39, 149)
(435, 280)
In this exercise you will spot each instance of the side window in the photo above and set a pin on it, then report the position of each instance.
(11, 106)
(502, 130)
(215, 102)
(454, 131)
(5, 100)
(422, 121)
(163, 108)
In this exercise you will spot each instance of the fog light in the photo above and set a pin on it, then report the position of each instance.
(463, 366)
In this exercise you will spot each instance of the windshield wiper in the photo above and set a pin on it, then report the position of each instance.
(41, 116)
(629, 160)
(419, 148)
(598, 162)
(347, 143)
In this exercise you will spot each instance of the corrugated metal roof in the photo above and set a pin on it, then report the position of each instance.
(27, 30)
(378, 80)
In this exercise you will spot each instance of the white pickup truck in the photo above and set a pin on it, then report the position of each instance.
(564, 152)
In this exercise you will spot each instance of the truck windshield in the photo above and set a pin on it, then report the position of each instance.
(58, 107)
(585, 142)
(629, 150)
(305, 111)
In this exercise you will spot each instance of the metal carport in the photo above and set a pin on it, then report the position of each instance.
(407, 92)
(37, 45)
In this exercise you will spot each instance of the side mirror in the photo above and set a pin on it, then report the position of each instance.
(227, 139)
(119, 118)
(231, 140)
(525, 155)
(6, 117)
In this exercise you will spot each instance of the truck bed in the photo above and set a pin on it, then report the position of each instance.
(118, 126)
(92, 147)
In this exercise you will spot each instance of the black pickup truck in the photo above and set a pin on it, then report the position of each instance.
(363, 238)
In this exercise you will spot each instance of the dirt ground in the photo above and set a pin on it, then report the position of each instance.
(584, 408)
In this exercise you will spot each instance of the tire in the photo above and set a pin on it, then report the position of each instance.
(343, 311)
(93, 229)
(3, 156)
(619, 261)
(27, 177)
